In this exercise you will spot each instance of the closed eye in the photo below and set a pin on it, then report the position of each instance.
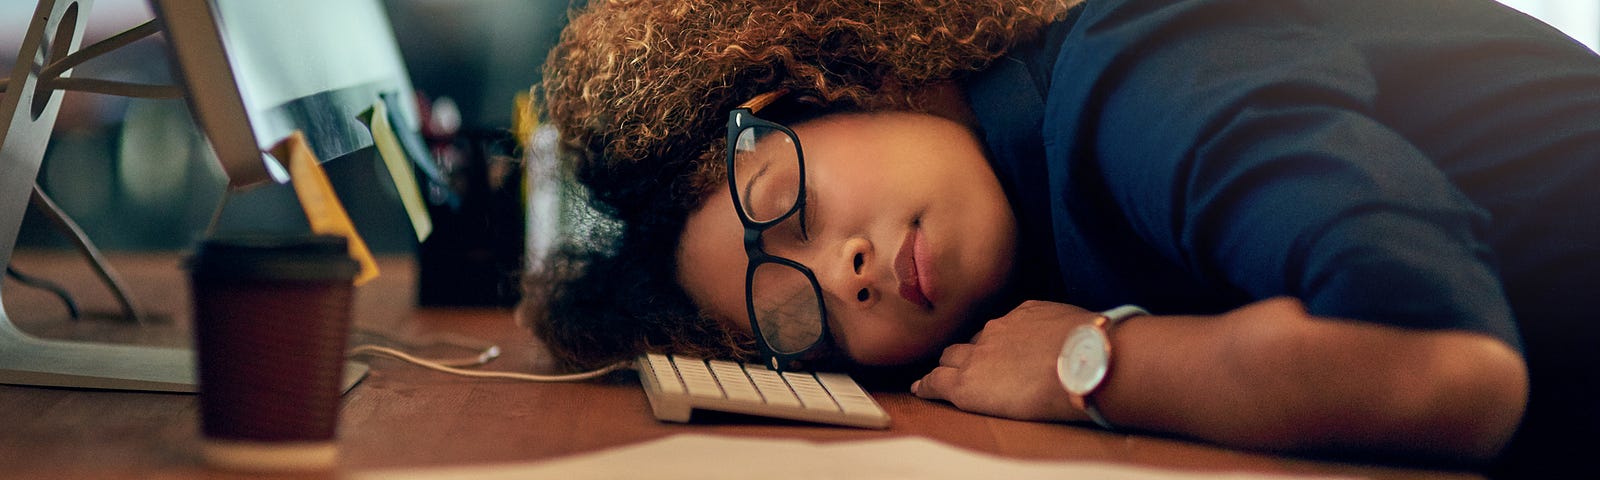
(808, 212)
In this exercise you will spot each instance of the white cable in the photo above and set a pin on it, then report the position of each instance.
(487, 352)
(571, 377)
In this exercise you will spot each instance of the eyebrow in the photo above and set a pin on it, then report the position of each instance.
(759, 173)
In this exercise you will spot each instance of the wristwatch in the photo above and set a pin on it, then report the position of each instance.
(1086, 359)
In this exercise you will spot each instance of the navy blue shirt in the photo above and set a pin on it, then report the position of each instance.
(1426, 163)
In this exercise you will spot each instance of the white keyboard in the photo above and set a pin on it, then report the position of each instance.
(678, 385)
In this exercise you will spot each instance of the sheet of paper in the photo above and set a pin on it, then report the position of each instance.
(399, 167)
(710, 457)
(323, 210)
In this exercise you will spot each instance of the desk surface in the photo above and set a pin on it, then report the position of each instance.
(402, 416)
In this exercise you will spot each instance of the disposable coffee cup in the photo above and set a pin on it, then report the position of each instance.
(271, 322)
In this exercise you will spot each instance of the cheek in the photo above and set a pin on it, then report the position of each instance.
(886, 342)
(736, 322)
(711, 262)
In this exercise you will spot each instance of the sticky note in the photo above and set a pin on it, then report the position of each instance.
(524, 119)
(439, 190)
(399, 167)
(324, 212)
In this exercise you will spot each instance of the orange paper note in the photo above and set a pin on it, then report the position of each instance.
(323, 210)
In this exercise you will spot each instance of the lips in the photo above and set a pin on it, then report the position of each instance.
(910, 267)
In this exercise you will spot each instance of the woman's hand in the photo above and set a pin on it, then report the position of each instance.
(1009, 368)
(1266, 376)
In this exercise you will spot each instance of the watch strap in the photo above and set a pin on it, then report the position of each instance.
(1094, 414)
(1117, 315)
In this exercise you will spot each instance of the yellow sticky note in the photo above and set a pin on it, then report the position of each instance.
(323, 210)
(524, 121)
(394, 157)
(524, 118)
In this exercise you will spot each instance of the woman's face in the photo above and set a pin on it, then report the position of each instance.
(908, 234)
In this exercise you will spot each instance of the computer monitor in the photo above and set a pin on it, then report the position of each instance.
(256, 71)
(252, 72)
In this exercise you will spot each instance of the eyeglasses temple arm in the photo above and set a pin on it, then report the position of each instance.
(761, 101)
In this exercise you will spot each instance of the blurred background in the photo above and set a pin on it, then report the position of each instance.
(1580, 19)
(136, 175)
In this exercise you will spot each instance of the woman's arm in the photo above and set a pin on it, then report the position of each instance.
(1265, 376)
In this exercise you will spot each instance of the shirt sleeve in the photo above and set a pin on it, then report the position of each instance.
(1245, 145)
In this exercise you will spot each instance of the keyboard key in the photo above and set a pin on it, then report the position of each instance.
(851, 398)
(811, 393)
(665, 376)
(772, 387)
(697, 378)
(733, 380)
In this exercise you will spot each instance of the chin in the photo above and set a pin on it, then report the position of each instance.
(885, 357)
(906, 347)
(890, 355)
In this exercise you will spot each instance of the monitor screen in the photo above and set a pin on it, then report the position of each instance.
(257, 71)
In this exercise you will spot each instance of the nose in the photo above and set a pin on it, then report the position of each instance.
(850, 276)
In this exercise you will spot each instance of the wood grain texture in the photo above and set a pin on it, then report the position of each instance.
(403, 416)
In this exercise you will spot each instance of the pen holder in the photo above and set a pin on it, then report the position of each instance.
(475, 255)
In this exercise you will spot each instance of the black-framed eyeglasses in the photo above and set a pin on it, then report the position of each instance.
(766, 176)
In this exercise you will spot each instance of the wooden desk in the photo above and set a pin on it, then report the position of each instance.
(404, 416)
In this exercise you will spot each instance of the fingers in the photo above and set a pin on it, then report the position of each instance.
(936, 385)
(956, 355)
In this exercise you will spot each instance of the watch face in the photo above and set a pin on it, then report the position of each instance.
(1085, 357)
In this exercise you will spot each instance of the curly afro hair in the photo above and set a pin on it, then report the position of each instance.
(638, 91)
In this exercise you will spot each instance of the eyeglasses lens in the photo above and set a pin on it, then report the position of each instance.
(767, 167)
(786, 307)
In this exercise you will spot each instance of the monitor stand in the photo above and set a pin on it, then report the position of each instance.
(26, 360)
(27, 116)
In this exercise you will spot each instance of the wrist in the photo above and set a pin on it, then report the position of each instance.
(1084, 364)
